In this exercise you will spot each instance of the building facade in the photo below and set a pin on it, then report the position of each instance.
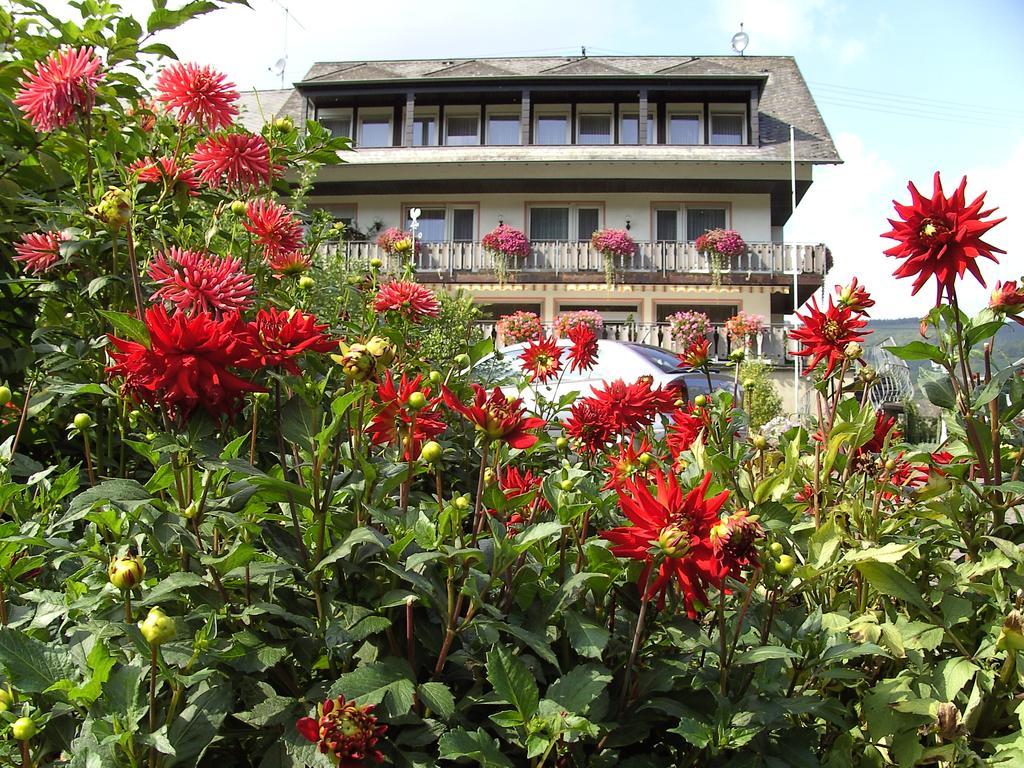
(556, 147)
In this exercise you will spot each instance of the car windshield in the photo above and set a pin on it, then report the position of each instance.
(664, 360)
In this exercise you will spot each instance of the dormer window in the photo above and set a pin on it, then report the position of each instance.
(551, 125)
(594, 128)
(337, 121)
(629, 128)
(375, 129)
(685, 124)
(462, 129)
(728, 124)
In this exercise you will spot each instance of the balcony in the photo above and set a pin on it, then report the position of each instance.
(578, 261)
(769, 345)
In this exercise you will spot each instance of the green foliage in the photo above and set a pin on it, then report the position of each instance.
(761, 396)
(851, 603)
(454, 331)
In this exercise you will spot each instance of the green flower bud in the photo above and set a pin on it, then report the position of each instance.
(114, 209)
(24, 728)
(562, 443)
(700, 401)
(759, 441)
(157, 627)
(7, 698)
(462, 361)
(382, 349)
(435, 377)
(238, 207)
(417, 401)
(126, 572)
(431, 452)
(489, 477)
(82, 421)
(785, 565)
(284, 124)
(775, 548)
(5, 396)
(306, 282)
(645, 459)
(461, 502)
(376, 263)
(566, 484)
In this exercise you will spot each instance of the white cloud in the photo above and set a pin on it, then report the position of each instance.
(847, 207)
(851, 51)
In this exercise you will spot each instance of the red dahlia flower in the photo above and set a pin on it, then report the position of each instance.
(583, 352)
(627, 465)
(398, 423)
(197, 282)
(515, 484)
(186, 366)
(62, 88)
(687, 424)
(824, 335)
(344, 731)
(279, 336)
(39, 251)
(240, 161)
(496, 416)
(734, 542)
(677, 526)
(634, 406)
(697, 354)
(590, 425)
(165, 170)
(199, 95)
(855, 296)
(409, 299)
(941, 236)
(289, 264)
(884, 424)
(541, 359)
(276, 229)
(1008, 298)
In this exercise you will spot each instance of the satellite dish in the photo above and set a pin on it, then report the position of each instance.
(278, 68)
(740, 41)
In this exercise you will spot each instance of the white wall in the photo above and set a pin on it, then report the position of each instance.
(750, 214)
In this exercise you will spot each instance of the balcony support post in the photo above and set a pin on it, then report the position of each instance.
(641, 119)
(410, 112)
(524, 118)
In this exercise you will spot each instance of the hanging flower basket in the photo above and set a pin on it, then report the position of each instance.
(687, 327)
(719, 245)
(505, 244)
(612, 244)
(396, 242)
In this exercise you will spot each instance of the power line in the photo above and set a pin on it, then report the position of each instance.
(901, 98)
(944, 118)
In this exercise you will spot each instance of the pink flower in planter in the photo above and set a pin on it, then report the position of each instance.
(394, 241)
(506, 240)
(613, 242)
(743, 326)
(724, 242)
(566, 321)
(519, 327)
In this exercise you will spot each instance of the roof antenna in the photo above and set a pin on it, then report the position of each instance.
(740, 40)
(279, 65)
(583, 51)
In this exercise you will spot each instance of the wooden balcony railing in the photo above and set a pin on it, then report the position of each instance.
(556, 257)
(770, 344)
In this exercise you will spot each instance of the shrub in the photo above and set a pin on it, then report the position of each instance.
(761, 398)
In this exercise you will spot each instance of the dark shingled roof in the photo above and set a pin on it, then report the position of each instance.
(785, 99)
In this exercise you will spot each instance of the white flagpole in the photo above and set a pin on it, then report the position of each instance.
(796, 266)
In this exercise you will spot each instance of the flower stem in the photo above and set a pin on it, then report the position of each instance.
(644, 600)
(152, 700)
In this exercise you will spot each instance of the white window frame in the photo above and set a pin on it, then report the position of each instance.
(731, 110)
(574, 216)
(374, 115)
(503, 111)
(450, 112)
(449, 218)
(547, 110)
(434, 112)
(684, 110)
(596, 110)
(336, 113)
(631, 110)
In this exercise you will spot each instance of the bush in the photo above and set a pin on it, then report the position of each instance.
(761, 397)
(250, 525)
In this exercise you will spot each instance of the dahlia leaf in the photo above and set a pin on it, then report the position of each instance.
(438, 698)
(918, 350)
(587, 638)
(539, 532)
(764, 653)
(884, 578)
(32, 666)
(127, 327)
(577, 689)
(512, 681)
(476, 745)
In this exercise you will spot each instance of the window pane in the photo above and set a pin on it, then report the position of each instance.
(503, 129)
(338, 126)
(629, 128)
(595, 129)
(424, 131)
(549, 223)
(666, 223)
(587, 220)
(462, 131)
(432, 225)
(375, 132)
(727, 129)
(700, 220)
(462, 224)
(684, 129)
(552, 129)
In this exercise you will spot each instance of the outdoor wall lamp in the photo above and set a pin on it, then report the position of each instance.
(629, 222)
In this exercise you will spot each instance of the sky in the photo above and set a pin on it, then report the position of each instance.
(906, 88)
